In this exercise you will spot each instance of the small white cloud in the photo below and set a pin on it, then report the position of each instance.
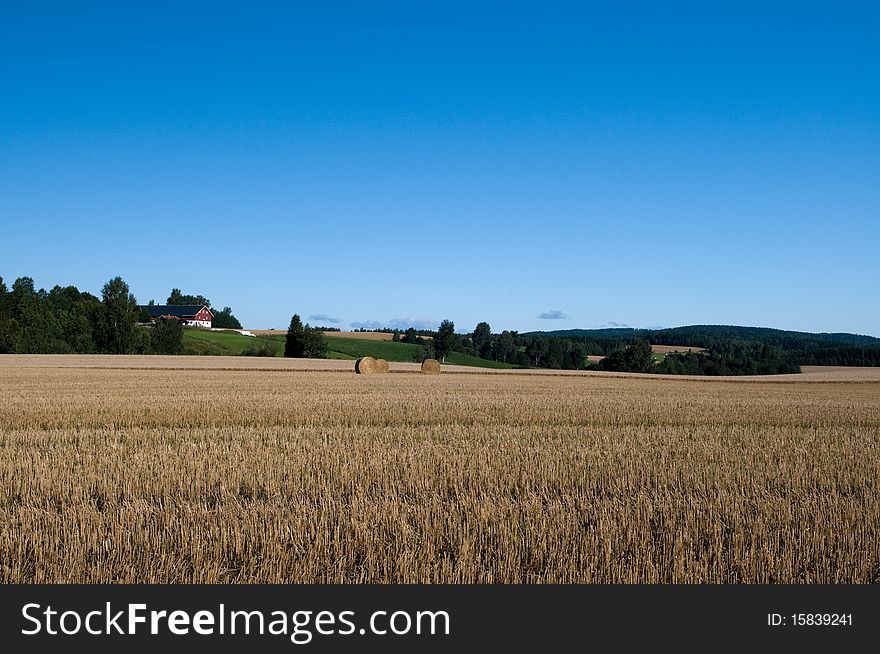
(367, 324)
(556, 314)
(415, 323)
(323, 317)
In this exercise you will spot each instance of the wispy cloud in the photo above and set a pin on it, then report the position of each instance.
(416, 323)
(613, 325)
(556, 314)
(367, 324)
(324, 318)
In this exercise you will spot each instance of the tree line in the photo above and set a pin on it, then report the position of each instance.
(803, 347)
(620, 352)
(506, 347)
(842, 355)
(738, 350)
(726, 358)
(65, 320)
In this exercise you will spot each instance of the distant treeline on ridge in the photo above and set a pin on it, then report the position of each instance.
(799, 348)
(66, 320)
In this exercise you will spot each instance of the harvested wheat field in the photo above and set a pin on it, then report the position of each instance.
(292, 475)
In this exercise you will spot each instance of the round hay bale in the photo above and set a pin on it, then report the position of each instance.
(430, 367)
(382, 366)
(365, 366)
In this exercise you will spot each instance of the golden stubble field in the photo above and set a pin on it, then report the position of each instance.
(222, 475)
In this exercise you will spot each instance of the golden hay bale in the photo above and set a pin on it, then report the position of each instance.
(430, 367)
(382, 365)
(365, 366)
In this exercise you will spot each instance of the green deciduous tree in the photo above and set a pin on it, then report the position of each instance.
(482, 339)
(225, 320)
(7, 331)
(575, 356)
(294, 343)
(37, 328)
(425, 350)
(537, 350)
(118, 321)
(166, 336)
(637, 357)
(304, 341)
(177, 297)
(316, 344)
(77, 314)
(505, 347)
(444, 341)
(411, 336)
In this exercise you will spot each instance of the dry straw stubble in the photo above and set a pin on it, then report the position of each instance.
(157, 476)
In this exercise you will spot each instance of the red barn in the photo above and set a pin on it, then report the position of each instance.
(197, 315)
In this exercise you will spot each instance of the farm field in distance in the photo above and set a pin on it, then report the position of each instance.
(341, 345)
(144, 469)
(366, 336)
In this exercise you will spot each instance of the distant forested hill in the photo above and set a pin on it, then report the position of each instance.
(611, 332)
(708, 335)
(798, 348)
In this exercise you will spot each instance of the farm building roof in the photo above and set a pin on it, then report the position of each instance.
(176, 310)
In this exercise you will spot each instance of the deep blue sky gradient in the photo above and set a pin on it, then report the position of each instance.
(649, 164)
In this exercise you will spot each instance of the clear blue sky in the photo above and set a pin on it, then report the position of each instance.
(648, 164)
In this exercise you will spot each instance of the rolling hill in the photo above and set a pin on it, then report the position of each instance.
(232, 343)
(708, 335)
